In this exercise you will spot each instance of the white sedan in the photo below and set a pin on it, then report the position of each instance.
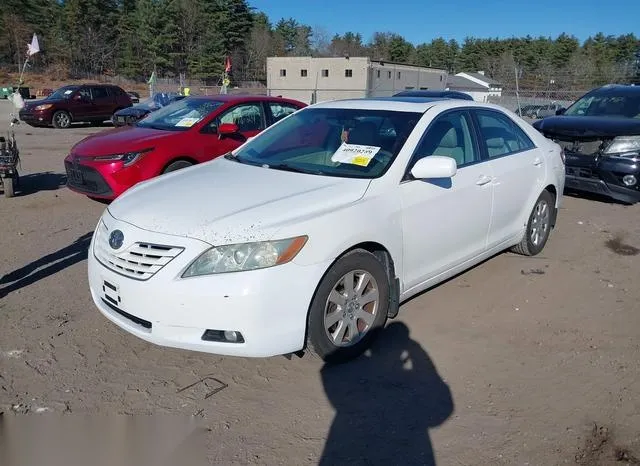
(311, 234)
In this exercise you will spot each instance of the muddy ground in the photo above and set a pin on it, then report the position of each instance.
(518, 361)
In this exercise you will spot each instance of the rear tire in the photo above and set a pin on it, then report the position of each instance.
(177, 165)
(8, 187)
(538, 226)
(349, 308)
(61, 120)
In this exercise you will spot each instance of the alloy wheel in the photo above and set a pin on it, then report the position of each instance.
(351, 308)
(63, 120)
(539, 222)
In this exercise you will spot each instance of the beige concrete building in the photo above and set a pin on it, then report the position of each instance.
(310, 79)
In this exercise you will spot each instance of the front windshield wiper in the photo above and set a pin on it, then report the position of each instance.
(151, 126)
(291, 168)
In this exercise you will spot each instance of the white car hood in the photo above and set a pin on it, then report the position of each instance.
(223, 201)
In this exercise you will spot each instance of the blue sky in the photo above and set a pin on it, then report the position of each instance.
(422, 20)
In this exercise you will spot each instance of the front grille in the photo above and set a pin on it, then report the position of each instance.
(140, 261)
(591, 148)
(86, 179)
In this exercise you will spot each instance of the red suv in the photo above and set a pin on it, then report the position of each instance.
(190, 131)
(92, 103)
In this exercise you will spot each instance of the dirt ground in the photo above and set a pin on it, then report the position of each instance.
(519, 361)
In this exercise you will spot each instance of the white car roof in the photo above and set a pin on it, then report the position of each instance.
(403, 104)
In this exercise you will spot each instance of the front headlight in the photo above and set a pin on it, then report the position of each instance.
(629, 146)
(245, 256)
(127, 158)
(43, 107)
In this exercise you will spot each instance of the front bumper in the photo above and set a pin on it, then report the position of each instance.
(35, 118)
(103, 180)
(603, 176)
(87, 180)
(268, 307)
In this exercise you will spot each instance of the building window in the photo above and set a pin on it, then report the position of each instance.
(389, 74)
(348, 73)
(283, 73)
(398, 75)
(378, 74)
(408, 88)
(303, 73)
(424, 88)
(325, 73)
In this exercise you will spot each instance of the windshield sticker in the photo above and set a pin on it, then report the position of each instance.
(68, 91)
(187, 122)
(355, 154)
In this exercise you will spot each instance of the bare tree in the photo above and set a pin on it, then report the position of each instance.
(321, 41)
(258, 49)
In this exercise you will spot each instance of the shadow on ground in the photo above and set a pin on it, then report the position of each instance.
(46, 266)
(592, 197)
(36, 182)
(386, 401)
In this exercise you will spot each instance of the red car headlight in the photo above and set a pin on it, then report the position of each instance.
(127, 158)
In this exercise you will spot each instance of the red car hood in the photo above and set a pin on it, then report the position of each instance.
(122, 139)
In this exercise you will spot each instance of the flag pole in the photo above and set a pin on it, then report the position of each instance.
(225, 75)
(32, 49)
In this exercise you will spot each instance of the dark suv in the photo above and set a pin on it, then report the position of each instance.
(600, 134)
(91, 103)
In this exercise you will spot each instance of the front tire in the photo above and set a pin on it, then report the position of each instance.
(349, 308)
(61, 120)
(177, 165)
(538, 226)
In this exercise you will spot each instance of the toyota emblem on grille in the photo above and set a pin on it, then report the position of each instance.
(116, 238)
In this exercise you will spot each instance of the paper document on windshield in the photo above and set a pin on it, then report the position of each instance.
(355, 154)
(187, 122)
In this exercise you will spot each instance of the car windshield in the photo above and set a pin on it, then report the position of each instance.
(352, 143)
(181, 115)
(607, 104)
(158, 100)
(63, 93)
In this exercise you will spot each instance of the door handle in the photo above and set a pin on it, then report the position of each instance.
(537, 162)
(484, 179)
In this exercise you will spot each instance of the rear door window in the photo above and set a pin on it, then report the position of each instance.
(99, 93)
(500, 135)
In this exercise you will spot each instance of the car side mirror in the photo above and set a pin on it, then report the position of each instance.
(228, 129)
(434, 166)
(561, 111)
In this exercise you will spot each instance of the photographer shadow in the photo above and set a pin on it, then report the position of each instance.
(386, 401)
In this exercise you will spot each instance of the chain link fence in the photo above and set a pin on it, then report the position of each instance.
(536, 104)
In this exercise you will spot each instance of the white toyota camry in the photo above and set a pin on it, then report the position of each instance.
(311, 234)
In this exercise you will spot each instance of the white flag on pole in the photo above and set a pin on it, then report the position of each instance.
(33, 47)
